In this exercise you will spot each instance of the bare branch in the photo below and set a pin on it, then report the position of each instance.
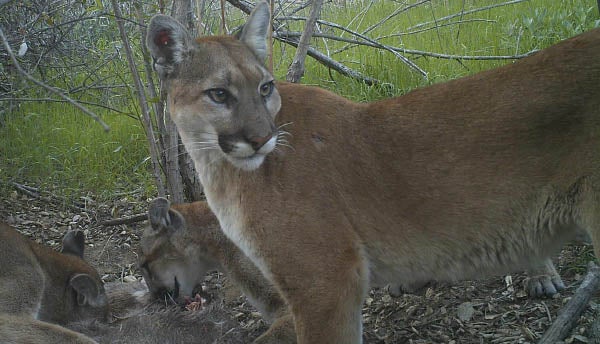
(51, 198)
(126, 220)
(331, 63)
(406, 61)
(286, 34)
(53, 100)
(142, 100)
(296, 69)
(47, 87)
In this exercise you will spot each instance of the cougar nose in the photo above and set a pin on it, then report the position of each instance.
(258, 142)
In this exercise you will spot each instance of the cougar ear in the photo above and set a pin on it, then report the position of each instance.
(89, 291)
(168, 41)
(254, 33)
(73, 243)
(161, 216)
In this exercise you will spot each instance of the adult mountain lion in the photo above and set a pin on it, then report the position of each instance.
(41, 283)
(481, 175)
(184, 241)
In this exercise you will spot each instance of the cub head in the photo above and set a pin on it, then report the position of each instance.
(175, 258)
(221, 96)
(88, 298)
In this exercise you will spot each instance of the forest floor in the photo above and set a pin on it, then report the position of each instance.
(495, 310)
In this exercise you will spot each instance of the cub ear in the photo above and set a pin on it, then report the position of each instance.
(254, 33)
(89, 291)
(73, 243)
(168, 42)
(161, 216)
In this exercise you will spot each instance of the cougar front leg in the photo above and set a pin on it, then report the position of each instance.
(543, 280)
(280, 332)
(325, 293)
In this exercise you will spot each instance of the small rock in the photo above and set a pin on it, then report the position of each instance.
(465, 311)
(386, 298)
(129, 278)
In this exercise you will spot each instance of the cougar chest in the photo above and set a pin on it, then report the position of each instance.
(227, 200)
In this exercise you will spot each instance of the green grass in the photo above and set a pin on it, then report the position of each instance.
(507, 30)
(55, 146)
(58, 148)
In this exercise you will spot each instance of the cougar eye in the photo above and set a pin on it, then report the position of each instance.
(266, 89)
(218, 95)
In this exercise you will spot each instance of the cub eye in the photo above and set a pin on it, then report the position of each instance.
(218, 95)
(266, 89)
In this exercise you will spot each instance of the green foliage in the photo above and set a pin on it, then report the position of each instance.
(506, 30)
(55, 146)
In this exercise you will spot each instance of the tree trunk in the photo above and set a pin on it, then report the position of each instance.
(296, 69)
(182, 177)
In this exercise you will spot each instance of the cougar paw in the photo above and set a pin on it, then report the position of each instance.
(544, 286)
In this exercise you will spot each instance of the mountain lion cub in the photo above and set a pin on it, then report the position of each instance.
(184, 241)
(477, 176)
(41, 283)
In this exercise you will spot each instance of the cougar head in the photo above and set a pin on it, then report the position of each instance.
(88, 299)
(172, 263)
(221, 97)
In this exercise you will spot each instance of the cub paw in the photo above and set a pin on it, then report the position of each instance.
(544, 285)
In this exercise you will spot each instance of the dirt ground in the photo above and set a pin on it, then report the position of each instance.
(495, 310)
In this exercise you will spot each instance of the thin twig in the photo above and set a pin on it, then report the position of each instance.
(126, 220)
(331, 63)
(35, 193)
(286, 34)
(54, 100)
(406, 61)
(48, 87)
(141, 95)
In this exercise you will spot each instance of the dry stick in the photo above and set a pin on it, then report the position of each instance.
(174, 185)
(296, 69)
(270, 37)
(35, 193)
(54, 100)
(331, 63)
(48, 87)
(170, 136)
(567, 319)
(286, 34)
(142, 99)
(223, 27)
(126, 220)
(242, 5)
(406, 61)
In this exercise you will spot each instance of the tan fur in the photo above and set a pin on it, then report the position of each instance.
(477, 176)
(184, 241)
(16, 329)
(41, 283)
